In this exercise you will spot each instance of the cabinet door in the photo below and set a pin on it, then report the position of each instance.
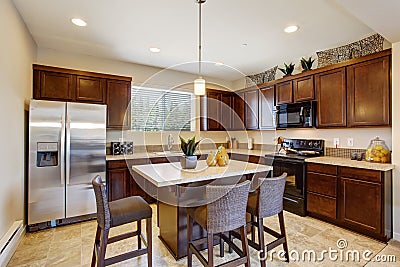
(226, 111)
(56, 86)
(90, 89)
(368, 86)
(303, 89)
(360, 204)
(117, 184)
(284, 93)
(118, 104)
(266, 114)
(331, 90)
(251, 109)
(238, 114)
(213, 111)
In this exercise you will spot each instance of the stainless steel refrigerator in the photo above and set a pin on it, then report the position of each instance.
(67, 149)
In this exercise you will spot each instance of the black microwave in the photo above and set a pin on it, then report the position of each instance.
(297, 115)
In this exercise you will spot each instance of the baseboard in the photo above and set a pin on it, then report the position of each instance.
(396, 236)
(10, 242)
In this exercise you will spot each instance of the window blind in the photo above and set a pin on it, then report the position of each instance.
(160, 110)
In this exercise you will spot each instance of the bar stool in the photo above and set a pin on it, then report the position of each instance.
(226, 211)
(115, 213)
(267, 201)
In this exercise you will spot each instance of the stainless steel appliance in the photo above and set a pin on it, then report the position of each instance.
(293, 162)
(67, 149)
(297, 115)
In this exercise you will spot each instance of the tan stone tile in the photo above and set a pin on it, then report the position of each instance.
(67, 257)
(27, 256)
(67, 234)
(30, 264)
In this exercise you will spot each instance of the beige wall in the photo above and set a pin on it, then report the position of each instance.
(17, 52)
(395, 136)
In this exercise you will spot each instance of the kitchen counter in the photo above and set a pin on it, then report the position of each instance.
(166, 174)
(146, 155)
(351, 163)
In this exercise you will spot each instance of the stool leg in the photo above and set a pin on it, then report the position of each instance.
(96, 241)
(253, 230)
(149, 235)
(245, 246)
(210, 248)
(231, 240)
(139, 231)
(103, 247)
(283, 233)
(261, 241)
(221, 246)
(189, 240)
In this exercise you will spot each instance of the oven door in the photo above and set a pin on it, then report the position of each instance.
(294, 195)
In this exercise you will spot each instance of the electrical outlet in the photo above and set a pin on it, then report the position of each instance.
(336, 142)
(350, 141)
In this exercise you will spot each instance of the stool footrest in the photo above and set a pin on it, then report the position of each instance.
(125, 256)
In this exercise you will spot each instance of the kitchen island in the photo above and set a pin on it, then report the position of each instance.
(175, 189)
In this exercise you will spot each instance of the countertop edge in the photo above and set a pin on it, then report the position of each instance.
(345, 162)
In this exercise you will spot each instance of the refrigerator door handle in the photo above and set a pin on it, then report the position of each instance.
(62, 149)
(68, 150)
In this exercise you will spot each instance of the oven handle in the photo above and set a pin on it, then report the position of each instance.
(289, 199)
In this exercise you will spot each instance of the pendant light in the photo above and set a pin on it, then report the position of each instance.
(200, 83)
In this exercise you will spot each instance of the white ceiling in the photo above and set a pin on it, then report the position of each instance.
(125, 29)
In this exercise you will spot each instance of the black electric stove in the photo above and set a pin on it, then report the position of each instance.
(291, 159)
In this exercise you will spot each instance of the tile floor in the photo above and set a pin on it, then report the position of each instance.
(72, 246)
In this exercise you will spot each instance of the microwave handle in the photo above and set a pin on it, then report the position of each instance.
(301, 113)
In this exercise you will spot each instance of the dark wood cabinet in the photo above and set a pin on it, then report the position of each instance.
(331, 106)
(213, 111)
(303, 89)
(118, 104)
(238, 112)
(354, 198)
(226, 111)
(251, 109)
(90, 89)
(50, 85)
(368, 87)
(266, 105)
(322, 190)
(118, 181)
(284, 93)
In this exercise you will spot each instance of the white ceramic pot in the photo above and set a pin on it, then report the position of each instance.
(188, 162)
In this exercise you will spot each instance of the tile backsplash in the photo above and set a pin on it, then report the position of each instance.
(341, 152)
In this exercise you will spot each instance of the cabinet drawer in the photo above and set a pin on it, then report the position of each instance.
(322, 184)
(361, 174)
(321, 205)
(322, 168)
(116, 164)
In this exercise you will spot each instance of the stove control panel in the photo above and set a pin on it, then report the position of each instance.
(305, 144)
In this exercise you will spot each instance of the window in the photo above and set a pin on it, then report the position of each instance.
(156, 110)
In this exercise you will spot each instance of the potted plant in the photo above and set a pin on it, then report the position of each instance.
(288, 70)
(306, 64)
(189, 147)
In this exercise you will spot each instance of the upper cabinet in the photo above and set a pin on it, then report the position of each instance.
(368, 89)
(266, 106)
(51, 83)
(284, 93)
(331, 105)
(238, 111)
(251, 109)
(303, 89)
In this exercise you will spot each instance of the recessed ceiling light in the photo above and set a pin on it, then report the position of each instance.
(244, 44)
(155, 49)
(79, 22)
(291, 28)
(219, 64)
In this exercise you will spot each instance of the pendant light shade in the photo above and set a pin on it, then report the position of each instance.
(200, 83)
(200, 86)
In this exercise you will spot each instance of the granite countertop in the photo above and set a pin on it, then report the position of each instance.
(145, 155)
(351, 163)
(166, 174)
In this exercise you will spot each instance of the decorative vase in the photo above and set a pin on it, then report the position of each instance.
(188, 162)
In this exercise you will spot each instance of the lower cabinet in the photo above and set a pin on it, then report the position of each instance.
(354, 198)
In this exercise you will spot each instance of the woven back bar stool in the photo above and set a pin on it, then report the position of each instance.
(267, 201)
(115, 213)
(226, 211)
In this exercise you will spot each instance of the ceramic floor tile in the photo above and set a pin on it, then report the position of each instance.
(72, 245)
